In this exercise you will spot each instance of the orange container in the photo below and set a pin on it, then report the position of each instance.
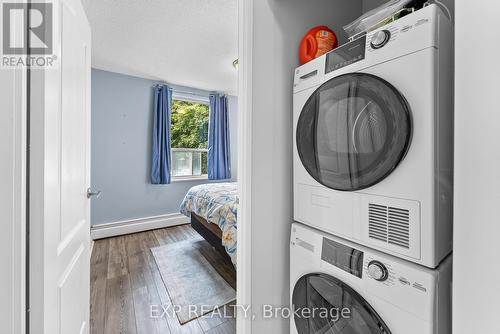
(318, 41)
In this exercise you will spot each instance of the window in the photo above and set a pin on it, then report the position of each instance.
(189, 138)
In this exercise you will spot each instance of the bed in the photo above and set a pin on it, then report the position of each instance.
(213, 211)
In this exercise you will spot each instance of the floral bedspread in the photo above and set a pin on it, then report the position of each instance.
(218, 204)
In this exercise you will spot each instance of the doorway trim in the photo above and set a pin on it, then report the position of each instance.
(244, 233)
(13, 194)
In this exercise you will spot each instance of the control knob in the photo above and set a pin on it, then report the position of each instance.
(377, 271)
(380, 38)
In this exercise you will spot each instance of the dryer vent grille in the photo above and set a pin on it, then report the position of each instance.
(388, 224)
(377, 222)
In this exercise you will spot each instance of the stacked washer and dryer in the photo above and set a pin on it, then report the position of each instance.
(373, 182)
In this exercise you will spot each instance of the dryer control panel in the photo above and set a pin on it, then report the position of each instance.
(345, 55)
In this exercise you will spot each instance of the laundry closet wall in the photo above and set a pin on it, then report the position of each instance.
(477, 157)
(278, 26)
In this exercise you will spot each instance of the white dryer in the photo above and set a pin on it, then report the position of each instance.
(339, 287)
(373, 145)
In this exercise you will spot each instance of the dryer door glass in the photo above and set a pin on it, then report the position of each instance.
(353, 131)
(326, 305)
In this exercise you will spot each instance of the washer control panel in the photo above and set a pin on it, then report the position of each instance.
(391, 275)
(341, 256)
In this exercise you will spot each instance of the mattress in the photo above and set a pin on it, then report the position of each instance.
(218, 204)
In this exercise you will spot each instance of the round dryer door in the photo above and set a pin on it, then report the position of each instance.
(319, 301)
(353, 131)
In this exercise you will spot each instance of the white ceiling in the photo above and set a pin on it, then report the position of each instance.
(185, 42)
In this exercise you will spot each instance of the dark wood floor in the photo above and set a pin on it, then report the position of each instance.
(125, 282)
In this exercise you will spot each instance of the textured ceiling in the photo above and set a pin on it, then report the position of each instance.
(185, 42)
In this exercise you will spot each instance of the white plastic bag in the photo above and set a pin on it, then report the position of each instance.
(375, 16)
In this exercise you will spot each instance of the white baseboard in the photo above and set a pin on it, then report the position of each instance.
(137, 225)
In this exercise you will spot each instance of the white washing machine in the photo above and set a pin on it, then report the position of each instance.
(339, 287)
(373, 145)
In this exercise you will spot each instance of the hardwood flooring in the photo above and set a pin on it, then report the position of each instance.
(126, 283)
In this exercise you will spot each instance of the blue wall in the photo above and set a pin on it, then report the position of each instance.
(121, 150)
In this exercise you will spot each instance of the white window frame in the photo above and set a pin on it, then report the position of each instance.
(193, 98)
(189, 177)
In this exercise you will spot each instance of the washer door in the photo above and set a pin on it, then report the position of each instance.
(327, 297)
(353, 131)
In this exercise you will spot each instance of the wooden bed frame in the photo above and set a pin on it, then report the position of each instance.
(211, 233)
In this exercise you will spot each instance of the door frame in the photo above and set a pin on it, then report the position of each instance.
(13, 195)
(14, 166)
(244, 233)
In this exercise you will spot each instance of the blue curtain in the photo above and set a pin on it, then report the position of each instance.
(161, 159)
(219, 159)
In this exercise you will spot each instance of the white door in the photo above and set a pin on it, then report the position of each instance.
(60, 176)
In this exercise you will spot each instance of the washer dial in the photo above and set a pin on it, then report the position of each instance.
(377, 271)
